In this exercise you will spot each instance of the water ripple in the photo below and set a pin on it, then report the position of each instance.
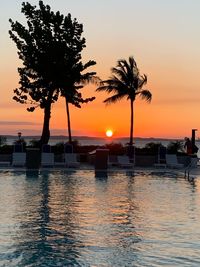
(74, 219)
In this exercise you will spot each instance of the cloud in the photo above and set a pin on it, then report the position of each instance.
(18, 123)
(36, 132)
(177, 101)
(64, 132)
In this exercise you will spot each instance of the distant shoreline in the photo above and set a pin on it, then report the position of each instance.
(93, 137)
(91, 140)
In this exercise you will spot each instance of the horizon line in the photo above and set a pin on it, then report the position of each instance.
(94, 137)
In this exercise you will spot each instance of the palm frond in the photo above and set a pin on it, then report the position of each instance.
(103, 87)
(121, 74)
(142, 81)
(146, 95)
(112, 86)
(132, 62)
(89, 64)
(117, 82)
(131, 71)
(126, 81)
(130, 66)
(113, 99)
(90, 78)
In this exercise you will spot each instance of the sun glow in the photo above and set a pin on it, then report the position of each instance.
(109, 133)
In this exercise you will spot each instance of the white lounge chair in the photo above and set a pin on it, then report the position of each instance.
(47, 159)
(161, 160)
(4, 163)
(18, 159)
(71, 160)
(112, 161)
(59, 160)
(172, 162)
(124, 162)
(4, 160)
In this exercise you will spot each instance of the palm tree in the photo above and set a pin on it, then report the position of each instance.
(126, 82)
(78, 78)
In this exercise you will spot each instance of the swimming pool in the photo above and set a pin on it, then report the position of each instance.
(76, 219)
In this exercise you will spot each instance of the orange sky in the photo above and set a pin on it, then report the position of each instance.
(162, 36)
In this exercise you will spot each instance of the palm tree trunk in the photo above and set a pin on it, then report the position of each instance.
(68, 121)
(131, 148)
(131, 130)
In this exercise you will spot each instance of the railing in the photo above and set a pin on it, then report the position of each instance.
(191, 165)
(187, 171)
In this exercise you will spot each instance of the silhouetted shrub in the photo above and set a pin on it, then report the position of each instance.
(152, 147)
(34, 143)
(58, 148)
(6, 149)
(3, 140)
(174, 147)
(115, 148)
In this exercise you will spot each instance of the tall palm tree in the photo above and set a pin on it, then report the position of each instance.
(77, 79)
(126, 82)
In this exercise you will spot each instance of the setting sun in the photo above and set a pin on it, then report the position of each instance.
(109, 133)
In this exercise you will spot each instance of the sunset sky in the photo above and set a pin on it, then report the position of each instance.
(164, 38)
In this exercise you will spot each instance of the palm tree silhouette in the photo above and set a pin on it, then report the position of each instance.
(126, 82)
(76, 81)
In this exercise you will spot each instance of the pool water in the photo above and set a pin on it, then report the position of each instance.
(76, 219)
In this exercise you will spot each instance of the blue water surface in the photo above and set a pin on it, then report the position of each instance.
(59, 218)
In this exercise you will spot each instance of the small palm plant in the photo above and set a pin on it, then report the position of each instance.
(126, 82)
(3, 140)
(175, 146)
